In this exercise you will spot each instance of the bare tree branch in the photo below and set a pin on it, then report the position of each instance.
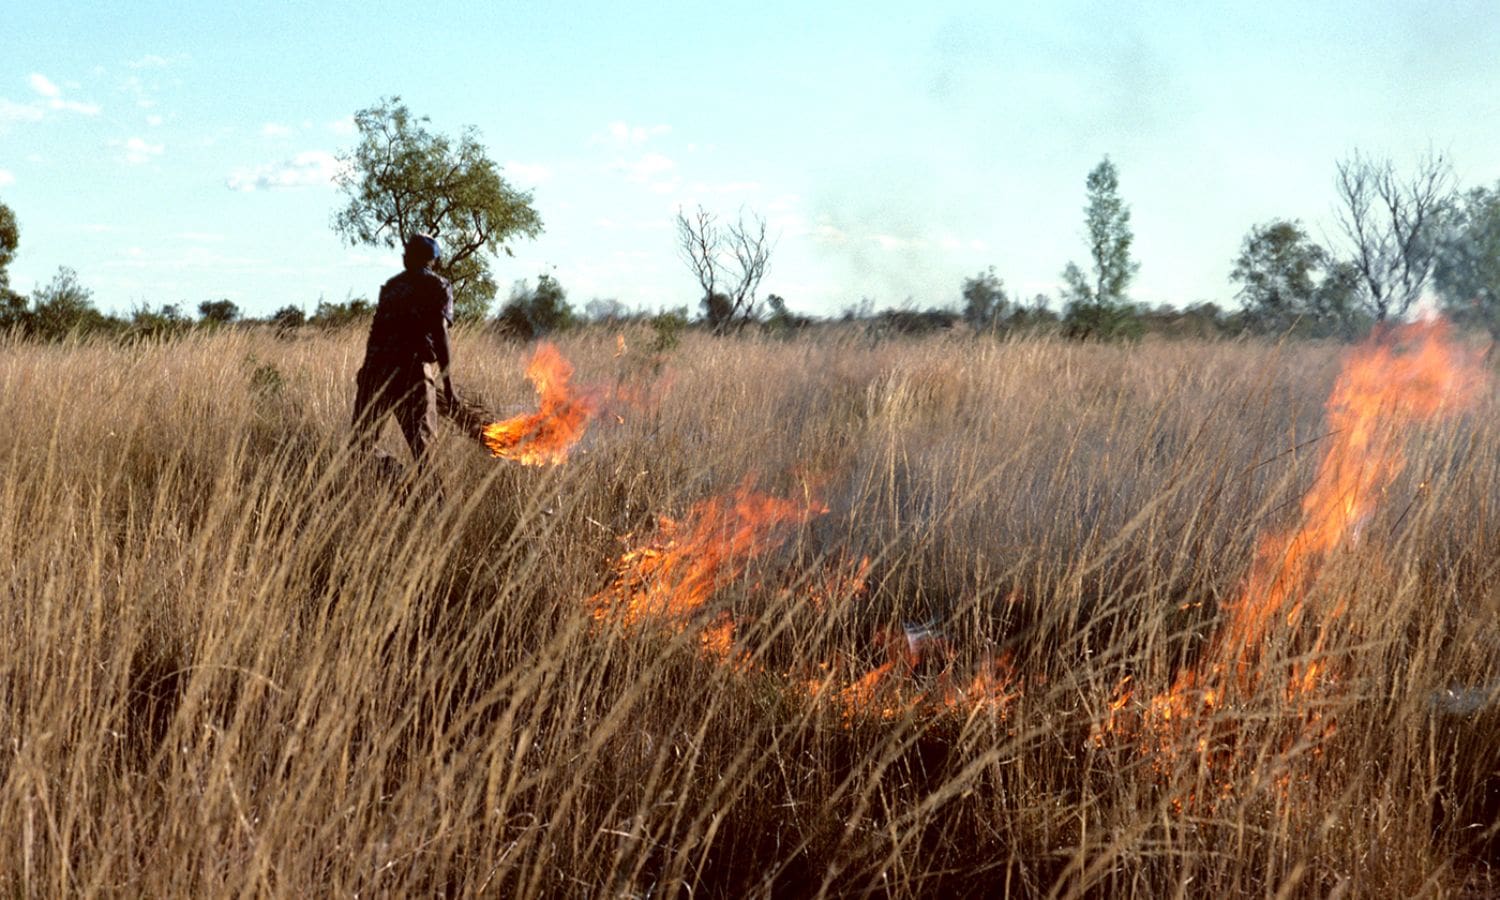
(727, 262)
(1389, 224)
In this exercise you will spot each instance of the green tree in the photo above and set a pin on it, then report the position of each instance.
(13, 311)
(530, 312)
(781, 320)
(331, 314)
(1467, 271)
(218, 312)
(1278, 270)
(10, 239)
(1098, 303)
(167, 320)
(402, 179)
(288, 318)
(985, 299)
(64, 307)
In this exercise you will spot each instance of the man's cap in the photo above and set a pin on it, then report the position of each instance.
(423, 248)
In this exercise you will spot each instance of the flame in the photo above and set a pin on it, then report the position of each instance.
(1403, 377)
(544, 437)
(1411, 375)
(677, 570)
(669, 579)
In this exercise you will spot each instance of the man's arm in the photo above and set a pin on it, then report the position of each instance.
(440, 345)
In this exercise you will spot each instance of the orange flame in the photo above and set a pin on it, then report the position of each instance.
(544, 437)
(1408, 375)
(678, 570)
(1412, 375)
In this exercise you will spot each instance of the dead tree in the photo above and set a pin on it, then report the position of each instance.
(1391, 225)
(728, 262)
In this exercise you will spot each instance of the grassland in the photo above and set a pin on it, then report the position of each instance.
(233, 663)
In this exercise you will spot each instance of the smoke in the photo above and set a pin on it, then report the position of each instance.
(974, 176)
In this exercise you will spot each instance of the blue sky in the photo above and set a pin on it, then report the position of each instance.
(176, 152)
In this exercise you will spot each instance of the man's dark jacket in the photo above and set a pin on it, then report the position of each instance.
(405, 356)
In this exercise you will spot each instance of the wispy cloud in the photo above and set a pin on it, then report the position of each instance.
(623, 134)
(11, 111)
(43, 85)
(644, 169)
(139, 151)
(342, 126)
(275, 129)
(7, 178)
(77, 106)
(52, 95)
(309, 169)
(149, 61)
(136, 88)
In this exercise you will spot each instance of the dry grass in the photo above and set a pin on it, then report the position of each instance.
(232, 664)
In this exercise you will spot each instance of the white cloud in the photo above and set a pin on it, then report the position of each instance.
(342, 126)
(10, 111)
(646, 167)
(149, 61)
(893, 242)
(87, 109)
(830, 234)
(623, 134)
(275, 129)
(139, 151)
(199, 237)
(153, 120)
(527, 173)
(42, 85)
(7, 178)
(315, 167)
(53, 95)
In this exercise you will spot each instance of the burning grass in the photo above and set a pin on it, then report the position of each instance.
(1047, 620)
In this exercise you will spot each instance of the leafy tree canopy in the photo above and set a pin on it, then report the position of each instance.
(403, 178)
(1467, 271)
(984, 299)
(1288, 282)
(530, 312)
(218, 312)
(63, 307)
(10, 239)
(1098, 303)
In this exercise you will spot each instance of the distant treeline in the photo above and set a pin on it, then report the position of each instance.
(65, 308)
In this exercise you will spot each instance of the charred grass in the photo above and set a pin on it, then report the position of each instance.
(234, 662)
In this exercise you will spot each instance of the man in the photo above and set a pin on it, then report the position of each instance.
(407, 352)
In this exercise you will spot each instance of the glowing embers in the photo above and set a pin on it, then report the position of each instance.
(546, 436)
(1404, 377)
(922, 676)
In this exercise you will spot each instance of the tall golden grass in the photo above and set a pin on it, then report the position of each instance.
(235, 664)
